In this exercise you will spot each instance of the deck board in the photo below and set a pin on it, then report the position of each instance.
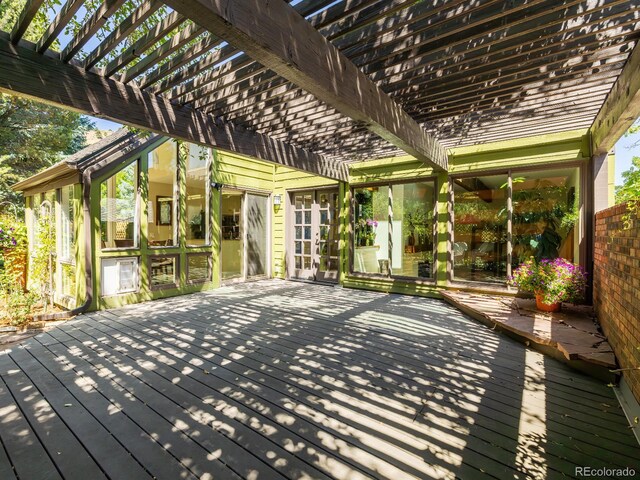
(286, 380)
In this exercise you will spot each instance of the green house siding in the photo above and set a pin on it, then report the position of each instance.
(230, 170)
(567, 148)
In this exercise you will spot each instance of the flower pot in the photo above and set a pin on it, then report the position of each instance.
(546, 307)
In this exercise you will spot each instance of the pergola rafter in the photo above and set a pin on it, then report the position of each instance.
(462, 71)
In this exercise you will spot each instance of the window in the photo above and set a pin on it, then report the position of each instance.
(197, 190)
(198, 267)
(67, 238)
(119, 275)
(163, 271)
(118, 209)
(480, 228)
(413, 229)
(162, 192)
(394, 229)
(545, 213)
(67, 279)
(34, 221)
(371, 230)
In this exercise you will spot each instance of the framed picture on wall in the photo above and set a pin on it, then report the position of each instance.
(164, 210)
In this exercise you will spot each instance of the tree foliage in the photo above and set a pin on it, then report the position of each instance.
(33, 136)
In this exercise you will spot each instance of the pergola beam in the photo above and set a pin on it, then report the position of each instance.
(46, 78)
(280, 39)
(620, 109)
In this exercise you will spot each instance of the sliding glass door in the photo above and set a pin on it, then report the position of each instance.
(244, 242)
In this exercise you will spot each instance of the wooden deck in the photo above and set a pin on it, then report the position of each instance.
(275, 379)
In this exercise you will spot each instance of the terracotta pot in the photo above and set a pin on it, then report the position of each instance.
(546, 307)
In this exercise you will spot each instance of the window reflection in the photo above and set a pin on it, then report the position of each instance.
(118, 212)
(197, 186)
(480, 228)
(545, 214)
(412, 251)
(371, 230)
(162, 193)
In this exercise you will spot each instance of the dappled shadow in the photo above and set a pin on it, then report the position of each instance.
(277, 379)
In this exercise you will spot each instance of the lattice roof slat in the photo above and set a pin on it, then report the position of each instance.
(92, 25)
(467, 70)
(144, 43)
(179, 40)
(128, 26)
(24, 20)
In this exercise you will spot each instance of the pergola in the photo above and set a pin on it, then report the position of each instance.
(316, 84)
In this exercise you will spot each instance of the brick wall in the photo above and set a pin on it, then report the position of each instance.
(616, 288)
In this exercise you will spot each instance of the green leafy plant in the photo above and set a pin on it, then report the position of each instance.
(629, 192)
(556, 280)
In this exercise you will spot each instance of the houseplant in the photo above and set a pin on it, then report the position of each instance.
(551, 281)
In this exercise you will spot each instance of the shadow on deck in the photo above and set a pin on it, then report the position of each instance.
(285, 380)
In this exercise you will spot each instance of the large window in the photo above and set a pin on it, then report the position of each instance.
(480, 228)
(371, 230)
(394, 230)
(118, 210)
(197, 183)
(67, 238)
(413, 229)
(162, 194)
(66, 243)
(543, 212)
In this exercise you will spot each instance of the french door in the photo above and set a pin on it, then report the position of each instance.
(314, 238)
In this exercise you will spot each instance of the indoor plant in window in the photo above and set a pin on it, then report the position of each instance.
(551, 281)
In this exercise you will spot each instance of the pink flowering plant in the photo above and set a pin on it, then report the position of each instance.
(366, 231)
(556, 280)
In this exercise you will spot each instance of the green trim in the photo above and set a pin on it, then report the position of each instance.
(442, 229)
(392, 286)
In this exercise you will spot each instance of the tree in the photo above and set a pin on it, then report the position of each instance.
(33, 136)
(630, 188)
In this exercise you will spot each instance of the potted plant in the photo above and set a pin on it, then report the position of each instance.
(551, 281)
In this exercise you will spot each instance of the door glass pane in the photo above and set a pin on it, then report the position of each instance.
(412, 251)
(197, 190)
(118, 212)
(298, 218)
(232, 249)
(257, 232)
(480, 228)
(162, 193)
(371, 230)
(545, 215)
